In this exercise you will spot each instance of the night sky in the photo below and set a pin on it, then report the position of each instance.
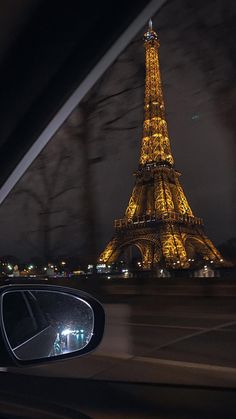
(83, 178)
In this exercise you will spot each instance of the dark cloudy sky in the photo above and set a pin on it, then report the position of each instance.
(83, 178)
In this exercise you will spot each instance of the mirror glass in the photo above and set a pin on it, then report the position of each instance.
(41, 324)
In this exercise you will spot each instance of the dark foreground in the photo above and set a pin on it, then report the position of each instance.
(168, 352)
(44, 397)
(161, 332)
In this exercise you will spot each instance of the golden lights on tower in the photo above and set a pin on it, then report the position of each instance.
(159, 220)
(155, 142)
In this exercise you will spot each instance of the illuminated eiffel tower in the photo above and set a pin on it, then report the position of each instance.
(158, 219)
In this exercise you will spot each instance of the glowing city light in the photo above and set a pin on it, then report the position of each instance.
(66, 332)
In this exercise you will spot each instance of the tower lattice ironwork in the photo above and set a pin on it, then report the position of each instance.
(158, 219)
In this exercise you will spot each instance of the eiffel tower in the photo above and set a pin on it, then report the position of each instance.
(158, 219)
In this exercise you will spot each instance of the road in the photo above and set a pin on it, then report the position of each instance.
(183, 339)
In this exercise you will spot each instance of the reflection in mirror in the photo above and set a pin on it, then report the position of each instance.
(41, 324)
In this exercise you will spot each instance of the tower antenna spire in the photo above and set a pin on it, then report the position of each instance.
(150, 24)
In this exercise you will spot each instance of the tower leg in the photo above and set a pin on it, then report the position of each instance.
(149, 248)
(199, 245)
(111, 252)
(173, 248)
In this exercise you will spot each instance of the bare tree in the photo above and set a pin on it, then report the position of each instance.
(108, 109)
(52, 215)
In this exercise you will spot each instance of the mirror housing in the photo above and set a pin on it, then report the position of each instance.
(44, 323)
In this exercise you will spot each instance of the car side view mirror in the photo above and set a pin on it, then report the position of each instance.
(41, 323)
